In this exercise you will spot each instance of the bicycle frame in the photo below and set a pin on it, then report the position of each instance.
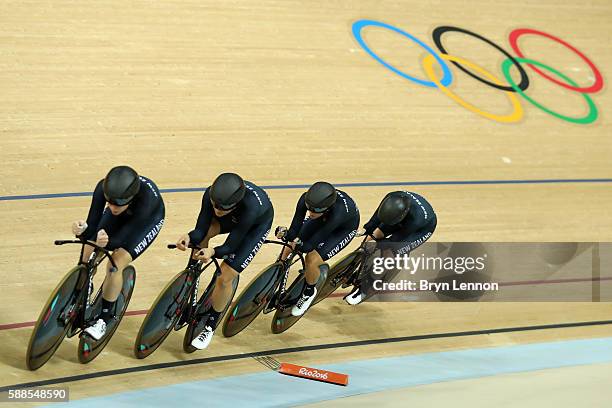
(362, 254)
(92, 263)
(287, 263)
(196, 268)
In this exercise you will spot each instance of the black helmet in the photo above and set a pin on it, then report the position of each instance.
(227, 190)
(120, 185)
(394, 208)
(320, 196)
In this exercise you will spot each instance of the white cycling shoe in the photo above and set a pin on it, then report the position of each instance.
(97, 330)
(303, 304)
(355, 297)
(203, 339)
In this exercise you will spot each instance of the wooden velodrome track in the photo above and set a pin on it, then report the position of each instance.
(281, 93)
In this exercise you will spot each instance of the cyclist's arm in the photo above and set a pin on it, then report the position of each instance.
(235, 237)
(372, 225)
(98, 203)
(204, 219)
(298, 219)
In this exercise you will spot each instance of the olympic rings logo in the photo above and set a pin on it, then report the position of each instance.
(510, 88)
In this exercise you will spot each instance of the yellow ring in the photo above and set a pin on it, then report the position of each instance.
(515, 116)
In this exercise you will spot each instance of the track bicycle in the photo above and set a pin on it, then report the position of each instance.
(72, 307)
(268, 292)
(178, 306)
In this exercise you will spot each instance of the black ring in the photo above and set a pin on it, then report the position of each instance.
(437, 37)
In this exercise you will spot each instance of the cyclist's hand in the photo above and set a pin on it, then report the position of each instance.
(183, 242)
(102, 239)
(205, 254)
(280, 232)
(78, 227)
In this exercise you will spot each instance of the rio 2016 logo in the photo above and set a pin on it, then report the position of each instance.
(511, 88)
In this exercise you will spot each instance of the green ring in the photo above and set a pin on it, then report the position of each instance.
(589, 118)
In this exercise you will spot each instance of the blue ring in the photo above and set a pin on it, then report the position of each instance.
(447, 78)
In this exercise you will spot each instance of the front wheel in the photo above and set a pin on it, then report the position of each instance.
(55, 320)
(90, 348)
(163, 314)
(252, 300)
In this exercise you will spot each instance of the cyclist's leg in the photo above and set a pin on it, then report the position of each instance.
(336, 242)
(111, 287)
(113, 281)
(326, 250)
(313, 259)
(313, 263)
(338, 239)
(237, 262)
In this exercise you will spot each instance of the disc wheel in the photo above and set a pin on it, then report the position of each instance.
(252, 300)
(163, 314)
(49, 331)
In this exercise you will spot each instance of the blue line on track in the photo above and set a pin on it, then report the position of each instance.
(368, 184)
(269, 389)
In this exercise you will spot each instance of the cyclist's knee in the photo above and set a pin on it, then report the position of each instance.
(313, 259)
(121, 257)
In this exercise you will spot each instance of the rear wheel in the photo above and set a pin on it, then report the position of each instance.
(164, 314)
(90, 348)
(339, 274)
(252, 300)
(55, 319)
(283, 319)
(201, 316)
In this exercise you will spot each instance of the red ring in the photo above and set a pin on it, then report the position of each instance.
(515, 34)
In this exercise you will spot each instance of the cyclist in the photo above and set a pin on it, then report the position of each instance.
(332, 222)
(126, 214)
(242, 209)
(403, 221)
